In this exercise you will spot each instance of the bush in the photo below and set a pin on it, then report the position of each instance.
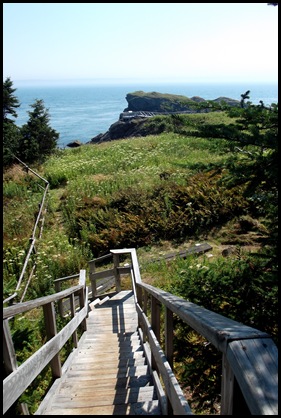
(244, 289)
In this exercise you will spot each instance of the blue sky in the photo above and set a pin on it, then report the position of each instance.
(194, 42)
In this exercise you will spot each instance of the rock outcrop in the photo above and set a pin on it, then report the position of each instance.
(158, 102)
(74, 144)
(122, 129)
(142, 105)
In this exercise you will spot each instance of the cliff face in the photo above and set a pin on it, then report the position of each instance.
(121, 129)
(131, 121)
(158, 102)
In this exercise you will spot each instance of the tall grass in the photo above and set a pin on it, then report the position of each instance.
(88, 183)
(79, 177)
(133, 161)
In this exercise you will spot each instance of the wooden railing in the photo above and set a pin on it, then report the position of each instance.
(20, 377)
(249, 356)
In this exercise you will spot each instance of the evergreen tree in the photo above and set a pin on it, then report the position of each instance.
(38, 139)
(10, 130)
(10, 101)
(253, 137)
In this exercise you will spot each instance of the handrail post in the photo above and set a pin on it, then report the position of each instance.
(232, 400)
(145, 302)
(116, 272)
(227, 384)
(145, 297)
(82, 296)
(72, 310)
(169, 347)
(51, 331)
(92, 270)
(155, 323)
(139, 299)
(9, 355)
(60, 306)
(169, 335)
(139, 296)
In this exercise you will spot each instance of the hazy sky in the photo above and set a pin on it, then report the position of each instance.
(194, 42)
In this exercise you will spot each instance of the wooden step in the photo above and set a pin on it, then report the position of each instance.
(113, 373)
(98, 361)
(110, 397)
(88, 355)
(70, 389)
(108, 373)
(99, 382)
(140, 408)
(132, 337)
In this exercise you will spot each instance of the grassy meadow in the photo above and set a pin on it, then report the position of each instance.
(85, 181)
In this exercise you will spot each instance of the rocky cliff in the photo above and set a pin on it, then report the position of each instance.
(158, 102)
(142, 105)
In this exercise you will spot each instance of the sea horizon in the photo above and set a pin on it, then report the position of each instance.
(80, 110)
(146, 81)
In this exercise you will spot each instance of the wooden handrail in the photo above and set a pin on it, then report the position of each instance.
(19, 378)
(216, 328)
(11, 311)
(249, 356)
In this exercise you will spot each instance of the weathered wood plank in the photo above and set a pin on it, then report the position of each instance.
(227, 386)
(161, 396)
(71, 389)
(216, 328)
(113, 318)
(107, 368)
(195, 249)
(173, 390)
(255, 365)
(62, 279)
(88, 355)
(102, 363)
(220, 331)
(98, 381)
(9, 355)
(104, 274)
(110, 397)
(15, 384)
(35, 303)
(115, 337)
(140, 408)
(51, 331)
(102, 258)
(109, 349)
(135, 371)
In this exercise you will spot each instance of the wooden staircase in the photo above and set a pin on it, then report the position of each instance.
(120, 365)
(108, 374)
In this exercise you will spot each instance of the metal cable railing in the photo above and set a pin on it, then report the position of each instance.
(32, 239)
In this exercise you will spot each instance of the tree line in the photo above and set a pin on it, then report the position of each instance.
(32, 142)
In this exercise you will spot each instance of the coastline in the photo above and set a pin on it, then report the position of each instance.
(80, 112)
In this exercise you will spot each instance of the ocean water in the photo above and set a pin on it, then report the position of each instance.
(82, 111)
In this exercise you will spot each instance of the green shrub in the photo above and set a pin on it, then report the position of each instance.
(243, 288)
(57, 179)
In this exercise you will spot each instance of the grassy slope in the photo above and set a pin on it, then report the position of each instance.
(92, 174)
(89, 177)
(156, 95)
